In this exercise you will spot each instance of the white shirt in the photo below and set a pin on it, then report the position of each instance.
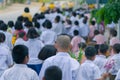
(118, 76)
(89, 71)
(68, 65)
(48, 37)
(73, 29)
(20, 41)
(100, 61)
(34, 46)
(5, 59)
(19, 72)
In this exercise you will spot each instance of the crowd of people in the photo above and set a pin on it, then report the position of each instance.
(41, 47)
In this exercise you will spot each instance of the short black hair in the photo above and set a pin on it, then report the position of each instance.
(53, 73)
(103, 48)
(76, 32)
(76, 23)
(113, 32)
(116, 48)
(46, 52)
(18, 25)
(96, 32)
(10, 24)
(48, 24)
(1, 21)
(28, 24)
(90, 52)
(2, 37)
(21, 34)
(32, 33)
(20, 18)
(19, 53)
(26, 10)
(82, 45)
(57, 19)
(37, 24)
(3, 27)
(93, 22)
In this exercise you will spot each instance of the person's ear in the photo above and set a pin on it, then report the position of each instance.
(43, 78)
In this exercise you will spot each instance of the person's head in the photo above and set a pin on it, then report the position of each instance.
(28, 24)
(48, 24)
(113, 32)
(21, 34)
(3, 27)
(2, 37)
(76, 23)
(32, 33)
(103, 48)
(63, 43)
(53, 73)
(10, 24)
(74, 14)
(25, 19)
(20, 18)
(26, 10)
(57, 19)
(46, 52)
(90, 52)
(18, 25)
(37, 25)
(96, 32)
(82, 45)
(85, 21)
(76, 32)
(116, 48)
(93, 22)
(1, 21)
(20, 54)
(69, 22)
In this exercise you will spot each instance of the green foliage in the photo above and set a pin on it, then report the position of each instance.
(110, 12)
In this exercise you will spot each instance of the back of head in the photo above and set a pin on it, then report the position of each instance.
(53, 73)
(21, 34)
(116, 48)
(93, 22)
(18, 25)
(11, 24)
(46, 52)
(32, 33)
(96, 32)
(63, 42)
(76, 23)
(1, 21)
(48, 24)
(3, 27)
(103, 48)
(20, 18)
(57, 19)
(28, 24)
(90, 52)
(19, 53)
(37, 25)
(2, 37)
(26, 10)
(76, 32)
(113, 32)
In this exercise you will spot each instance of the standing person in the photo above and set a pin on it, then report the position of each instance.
(20, 71)
(5, 55)
(62, 59)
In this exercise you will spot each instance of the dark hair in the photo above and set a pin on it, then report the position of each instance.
(69, 22)
(40, 16)
(37, 24)
(113, 32)
(21, 34)
(76, 23)
(90, 52)
(46, 52)
(3, 27)
(103, 48)
(26, 10)
(19, 53)
(82, 45)
(48, 24)
(96, 32)
(25, 19)
(74, 14)
(76, 32)
(18, 25)
(116, 47)
(1, 21)
(10, 24)
(84, 20)
(93, 22)
(57, 19)
(28, 24)
(53, 73)
(20, 18)
(32, 33)
(2, 37)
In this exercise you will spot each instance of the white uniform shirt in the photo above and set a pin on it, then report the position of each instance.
(19, 72)
(48, 37)
(89, 71)
(118, 76)
(5, 59)
(73, 29)
(68, 65)
(20, 41)
(34, 46)
(100, 61)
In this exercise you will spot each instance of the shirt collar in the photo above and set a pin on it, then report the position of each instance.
(63, 54)
(89, 61)
(20, 65)
(102, 56)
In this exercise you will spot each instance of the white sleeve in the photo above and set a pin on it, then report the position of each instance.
(35, 76)
(118, 76)
(9, 59)
(97, 74)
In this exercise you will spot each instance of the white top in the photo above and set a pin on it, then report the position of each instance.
(118, 76)
(5, 59)
(48, 37)
(34, 46)
(89, 71)
(114, 40)
(20, 41)
(73, 29)
(19, 72)
(68, 65)
(100, 61)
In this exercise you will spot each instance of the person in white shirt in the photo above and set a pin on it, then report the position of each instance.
(88, 70)
(101, 59)
(74, 17)
(118, 76)
(5, 55)
(62, 59)
(53, 73)
(34, 45)
(20, 71)
(48, 36)
(58, 27)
